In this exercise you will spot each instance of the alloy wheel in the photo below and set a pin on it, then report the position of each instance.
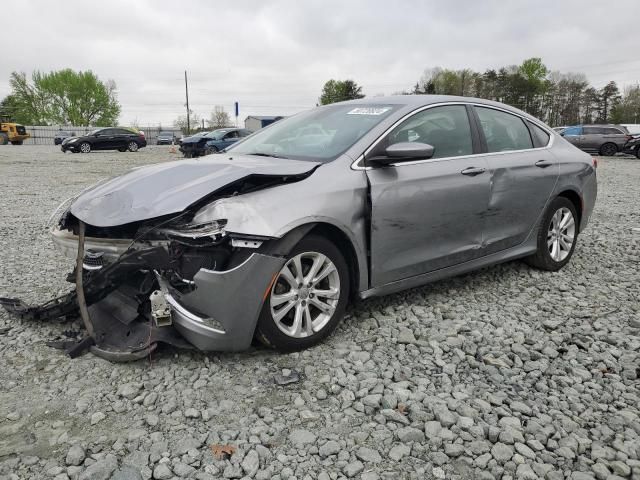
(305, 294)
(561, 234)
(133, 147)
(85, 148)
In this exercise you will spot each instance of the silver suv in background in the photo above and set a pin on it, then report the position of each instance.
(606, 140)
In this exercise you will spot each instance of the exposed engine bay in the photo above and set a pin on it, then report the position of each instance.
(169, 279)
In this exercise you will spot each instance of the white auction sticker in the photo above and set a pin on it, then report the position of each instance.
(369, 111)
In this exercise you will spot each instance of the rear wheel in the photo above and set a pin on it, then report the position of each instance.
(608, 149)
(308, 297)
(17, 142)
(133, 147)
(557, 236)
(4, 138)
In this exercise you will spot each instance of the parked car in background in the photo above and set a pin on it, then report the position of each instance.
(606, 140)
(274, 238)
(560, 129)
(185, 137)
(632, 128)
(121, 139)
(632, 146)
(61, 135)
(212, 142)
(165, 138)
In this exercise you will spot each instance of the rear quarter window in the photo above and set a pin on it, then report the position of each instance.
(539, 136)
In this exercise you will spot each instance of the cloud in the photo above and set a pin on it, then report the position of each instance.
(273, 57)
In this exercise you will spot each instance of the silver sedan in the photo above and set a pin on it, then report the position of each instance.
(272, 238)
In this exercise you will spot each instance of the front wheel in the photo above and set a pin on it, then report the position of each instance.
(608, 149)
(557, 236)
(210, 150)
(638, 152)
(308, 297)
(133, 147)
(123, 149)
(17, 142)
(85, 147)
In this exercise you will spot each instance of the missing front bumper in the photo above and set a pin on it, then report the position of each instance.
(219, 313)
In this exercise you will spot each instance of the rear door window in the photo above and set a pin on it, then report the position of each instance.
(503, 132)
(593, 131)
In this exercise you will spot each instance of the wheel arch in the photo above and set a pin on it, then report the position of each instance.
(575, 198)
(333, 233)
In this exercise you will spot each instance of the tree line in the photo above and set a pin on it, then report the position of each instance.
(67, 97)
(553, 97)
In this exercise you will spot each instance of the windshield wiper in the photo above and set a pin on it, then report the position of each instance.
(272, 155)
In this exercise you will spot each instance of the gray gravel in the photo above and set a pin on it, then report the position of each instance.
(504, 373)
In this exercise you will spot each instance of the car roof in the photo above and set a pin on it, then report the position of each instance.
(417, 101)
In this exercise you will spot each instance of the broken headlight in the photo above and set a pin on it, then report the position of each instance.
(213, 229)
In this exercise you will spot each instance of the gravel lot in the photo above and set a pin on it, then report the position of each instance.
(504, 373)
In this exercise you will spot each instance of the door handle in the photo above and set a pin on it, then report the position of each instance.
(473, 171)
(543, 163)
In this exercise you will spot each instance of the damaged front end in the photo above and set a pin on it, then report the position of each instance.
(148, 271)
(169, 281)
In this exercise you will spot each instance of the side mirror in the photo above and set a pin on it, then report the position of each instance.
(404, 152)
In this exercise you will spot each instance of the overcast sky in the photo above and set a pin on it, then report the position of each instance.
(274, 56)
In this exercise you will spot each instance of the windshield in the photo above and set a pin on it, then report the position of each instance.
(165, 134)
(319, 134)
(216, 134)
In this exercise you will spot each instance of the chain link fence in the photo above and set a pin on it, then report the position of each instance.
(42, 135)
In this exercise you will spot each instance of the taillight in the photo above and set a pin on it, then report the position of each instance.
(595, 162)
(628, 137)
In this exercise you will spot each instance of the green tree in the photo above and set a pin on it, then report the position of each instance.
(64, 97)
(339, 91)
(628, 109)
(609, 97)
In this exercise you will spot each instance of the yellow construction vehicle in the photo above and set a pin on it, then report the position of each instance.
(12, 132)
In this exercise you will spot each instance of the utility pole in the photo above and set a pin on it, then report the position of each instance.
(186, 91)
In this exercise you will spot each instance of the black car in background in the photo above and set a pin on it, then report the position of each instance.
(633, 145)
(211, 142)
(121, 139)
(61, 135)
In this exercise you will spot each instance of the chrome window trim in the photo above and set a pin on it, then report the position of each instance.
(356, 165)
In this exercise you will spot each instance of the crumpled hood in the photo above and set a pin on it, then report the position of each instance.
(166, 188)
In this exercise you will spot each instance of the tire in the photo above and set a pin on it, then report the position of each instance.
(638, 152)
(608, 149)
(4, 138)
(85, 147)
(17, 142)
(309, 252)
(132, 147)
(554, 251)
(122, 149)
(210, 150)
(187, 155)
